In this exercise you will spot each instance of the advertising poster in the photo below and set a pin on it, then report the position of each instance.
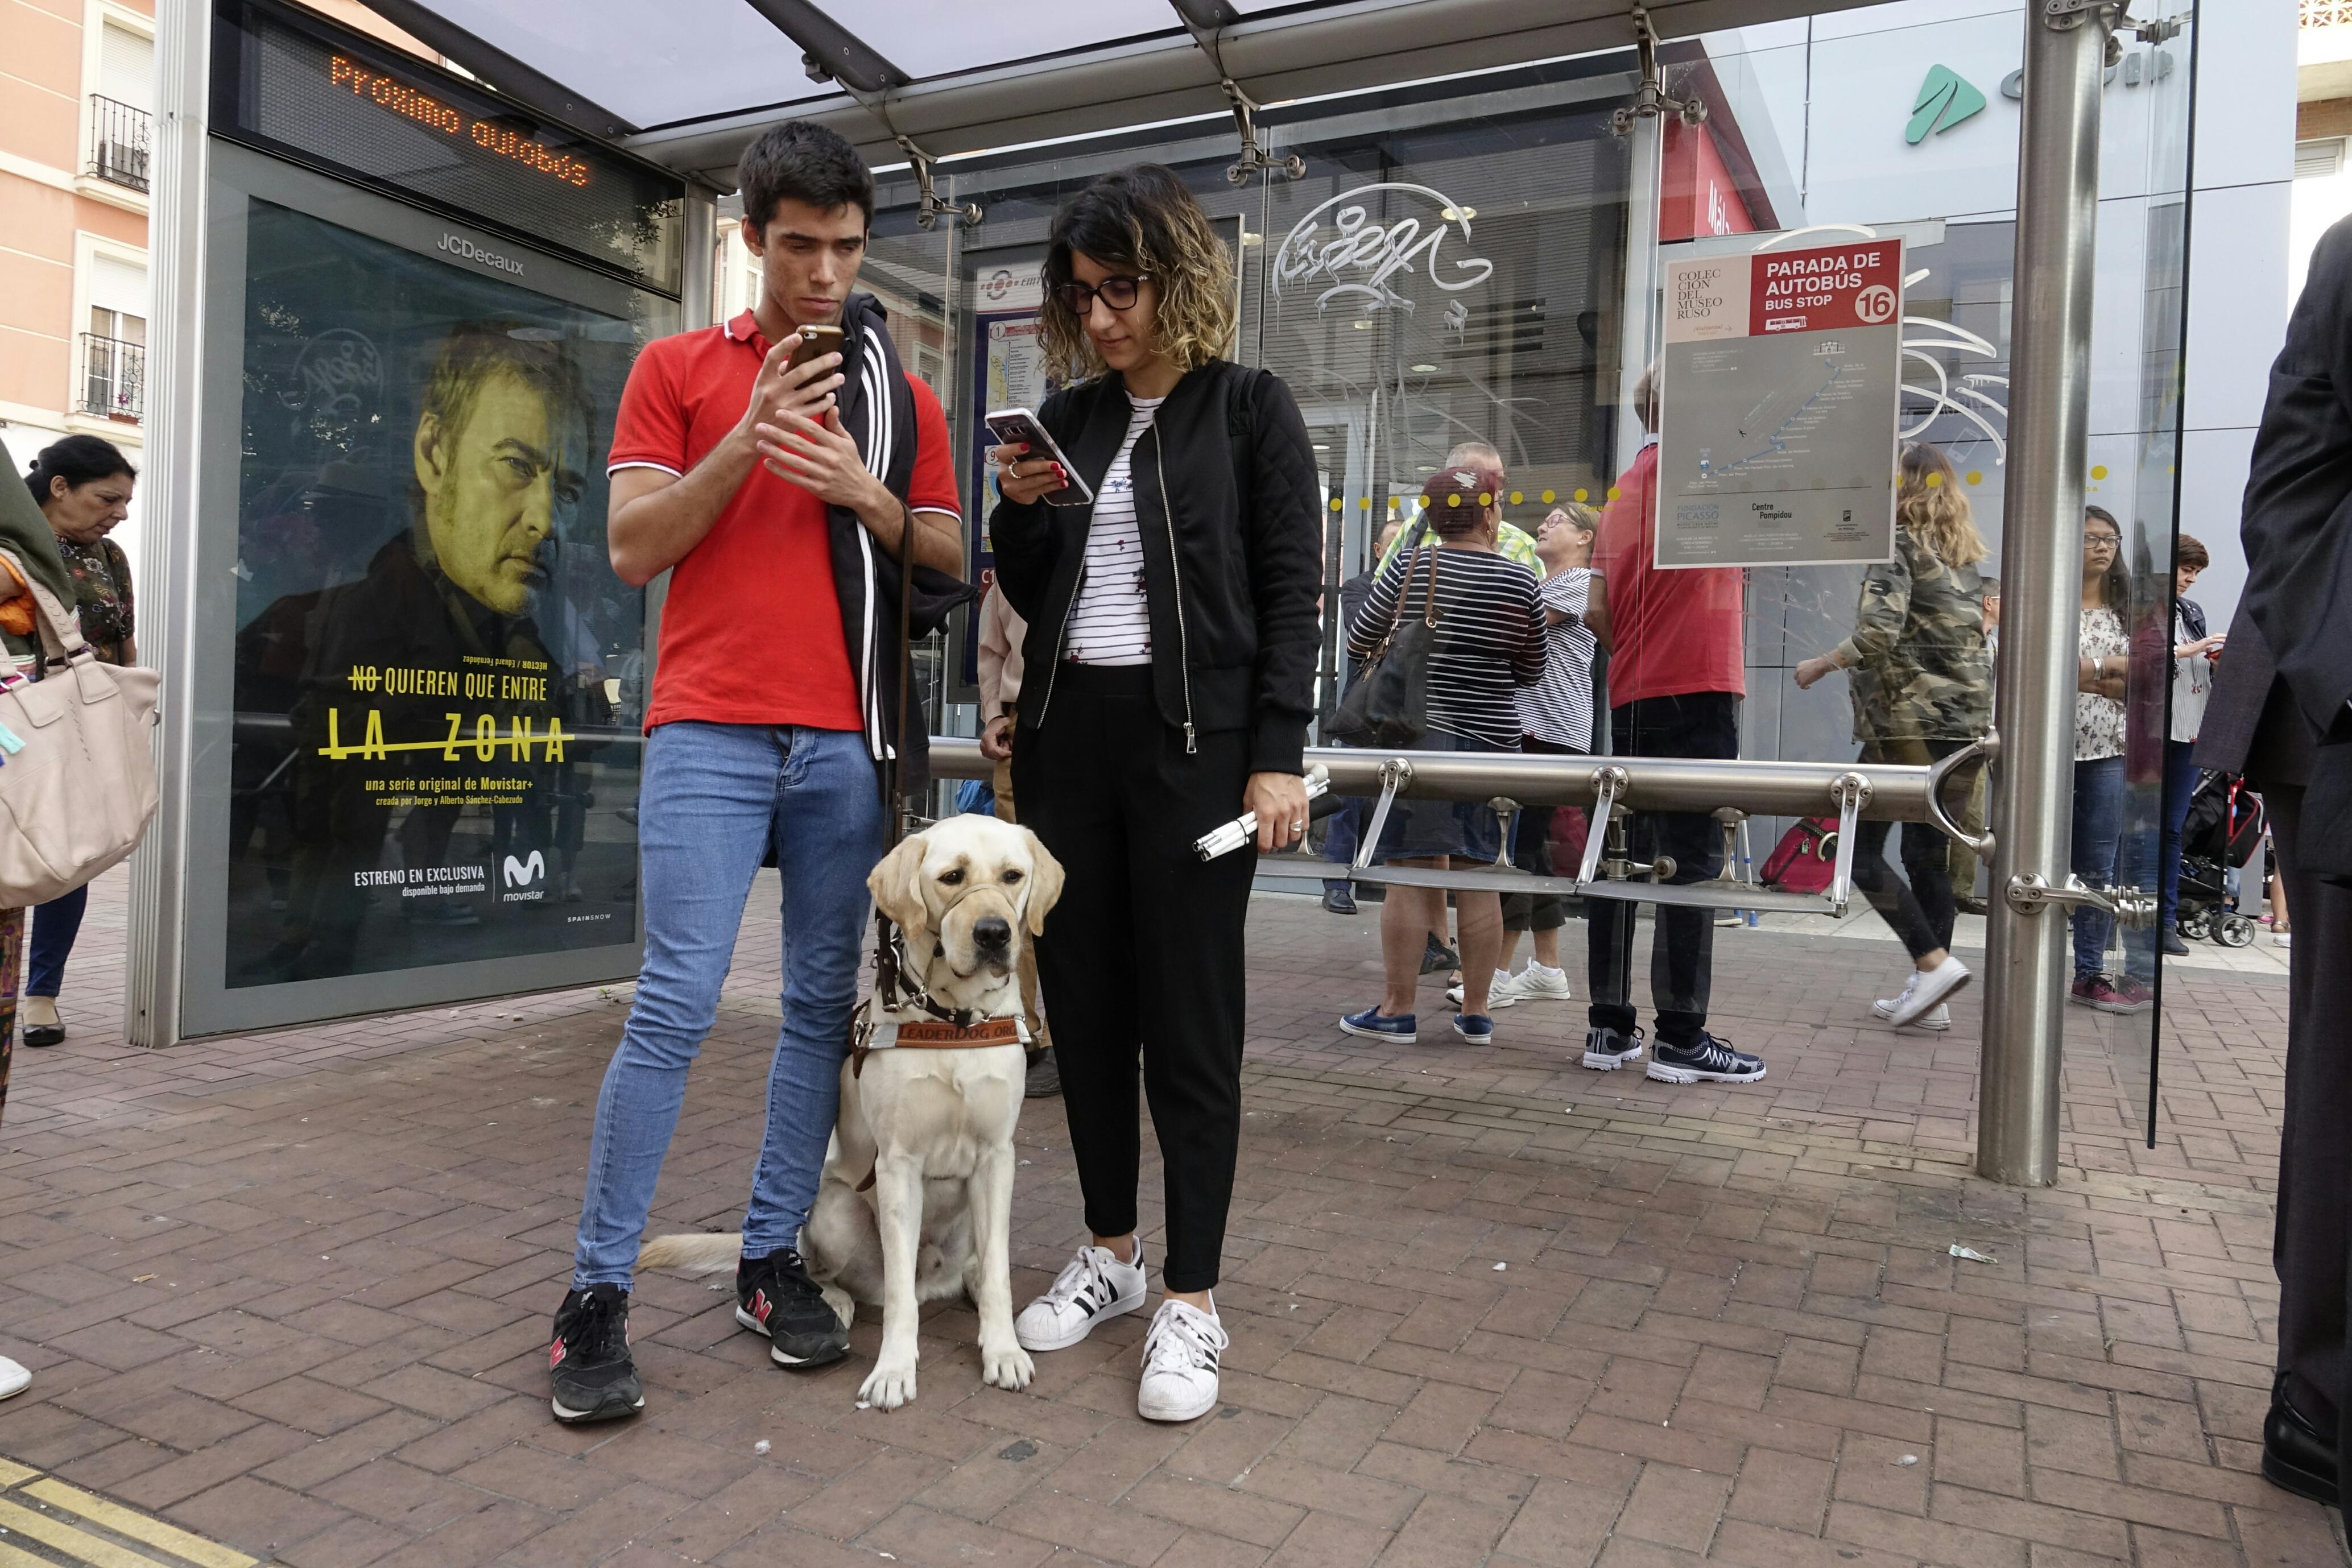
(438, 678)
(1779, 390)
(1008, 372)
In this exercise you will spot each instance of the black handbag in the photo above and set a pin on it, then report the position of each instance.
(1388, 707)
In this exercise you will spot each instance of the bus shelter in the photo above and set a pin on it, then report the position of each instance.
(389, 253)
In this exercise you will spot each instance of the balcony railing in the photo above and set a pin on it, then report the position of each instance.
(2328, 13)
(114, 378)
(119, 143)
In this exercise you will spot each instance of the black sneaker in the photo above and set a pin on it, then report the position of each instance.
(595, 1378)
(1436, 956)
(1708, 1061)
(775, 1296)
(1606, 1049)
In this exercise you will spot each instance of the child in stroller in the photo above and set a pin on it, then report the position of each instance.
(2224, 831)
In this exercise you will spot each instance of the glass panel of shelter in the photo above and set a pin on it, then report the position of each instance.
(1452, 266)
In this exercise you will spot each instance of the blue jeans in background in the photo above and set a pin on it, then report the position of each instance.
(2180, 788)
(715, 796)
(2102, 857)
(55, 925)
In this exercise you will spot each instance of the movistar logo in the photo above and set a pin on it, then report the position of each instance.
(1946, 99)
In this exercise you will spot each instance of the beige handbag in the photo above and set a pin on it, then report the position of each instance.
(77, 768)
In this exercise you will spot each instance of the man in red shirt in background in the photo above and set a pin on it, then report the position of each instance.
(779, 500)
(1676, 657)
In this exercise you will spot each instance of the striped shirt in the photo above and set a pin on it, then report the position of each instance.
(1558, 708)
(1490, 637)
(1110, 619)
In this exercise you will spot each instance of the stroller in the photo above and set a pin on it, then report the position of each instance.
(2224, 831)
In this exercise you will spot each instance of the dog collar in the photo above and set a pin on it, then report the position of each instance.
(867, 1034)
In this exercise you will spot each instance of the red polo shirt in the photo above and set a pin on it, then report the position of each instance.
(1670, 632)
(751, 630)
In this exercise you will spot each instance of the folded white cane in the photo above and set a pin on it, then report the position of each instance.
(1243, 829)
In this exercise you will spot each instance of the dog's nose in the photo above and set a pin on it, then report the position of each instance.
(991, 932)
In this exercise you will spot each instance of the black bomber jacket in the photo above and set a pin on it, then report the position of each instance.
(1227, 503)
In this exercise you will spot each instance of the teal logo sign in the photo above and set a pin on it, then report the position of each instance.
(1946, 99)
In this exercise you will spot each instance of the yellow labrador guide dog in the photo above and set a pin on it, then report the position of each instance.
(916, 1201)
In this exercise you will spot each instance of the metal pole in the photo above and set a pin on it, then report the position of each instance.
(2027, 971)
(169, 491)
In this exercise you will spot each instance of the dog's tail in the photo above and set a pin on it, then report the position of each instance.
(701, 1252)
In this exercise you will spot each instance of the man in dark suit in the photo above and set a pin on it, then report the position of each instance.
(2278, 714)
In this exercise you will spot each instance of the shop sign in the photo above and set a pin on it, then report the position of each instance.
(1779, 394)
(1946, 99)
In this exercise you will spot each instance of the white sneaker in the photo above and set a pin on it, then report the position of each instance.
(1538, 984)
(1179, 1363)
(13, 1378)
(1927, 989)
(1498, 991)
(1092, 1286)
(1937, 1019)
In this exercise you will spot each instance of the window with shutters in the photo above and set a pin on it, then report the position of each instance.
(119, 109)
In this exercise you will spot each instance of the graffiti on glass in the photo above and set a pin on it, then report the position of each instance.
(1337, 248)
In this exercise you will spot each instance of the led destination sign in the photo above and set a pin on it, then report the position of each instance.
(301, 87)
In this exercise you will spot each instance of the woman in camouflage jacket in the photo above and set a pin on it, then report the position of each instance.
(1922, 687)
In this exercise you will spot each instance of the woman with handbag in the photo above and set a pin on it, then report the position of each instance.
(83, 487)
(32, 552)
(1169, 677)
(1463, 624)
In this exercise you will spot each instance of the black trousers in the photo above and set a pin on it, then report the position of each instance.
(1681, 949)
(2315, 1194)
(1142, 962)
(1922, 909)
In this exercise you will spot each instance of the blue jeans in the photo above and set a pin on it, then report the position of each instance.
(55, 925)
(714, 797)
(2180, 787)
(2101, 857)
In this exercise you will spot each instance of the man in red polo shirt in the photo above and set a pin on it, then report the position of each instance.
(779, 500)
(1676, 656)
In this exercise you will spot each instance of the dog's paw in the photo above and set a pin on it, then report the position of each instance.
(1009, 1366)
(886, 1387)
(844, 1305)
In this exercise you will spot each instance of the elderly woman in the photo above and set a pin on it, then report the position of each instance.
(83, 486)
(1490, 642)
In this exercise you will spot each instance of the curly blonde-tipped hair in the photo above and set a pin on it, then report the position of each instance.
(1141, 217)
(1929, 502)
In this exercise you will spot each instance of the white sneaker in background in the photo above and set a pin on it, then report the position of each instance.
(1937, 1019)
(1179, 1363)
(1538, 984)
(1092, 1286)
(1501, 991)
(1888, 1007)
(13, 1378)
(1929, 988)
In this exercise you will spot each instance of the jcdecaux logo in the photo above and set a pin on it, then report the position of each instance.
(1946, 99)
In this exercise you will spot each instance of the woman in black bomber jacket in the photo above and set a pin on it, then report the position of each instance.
(1171, 677)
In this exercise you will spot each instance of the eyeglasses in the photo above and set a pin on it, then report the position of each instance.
(1118, 293)
(2102, 541)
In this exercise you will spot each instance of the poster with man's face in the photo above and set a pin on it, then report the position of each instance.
(439, 680)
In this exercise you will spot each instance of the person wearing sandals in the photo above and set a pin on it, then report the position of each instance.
(1490, 642)
(83, 487)
(1169, 679)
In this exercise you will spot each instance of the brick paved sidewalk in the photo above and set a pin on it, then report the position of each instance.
(291, 1291)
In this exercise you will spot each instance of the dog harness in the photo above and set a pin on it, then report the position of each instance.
(946, 1028)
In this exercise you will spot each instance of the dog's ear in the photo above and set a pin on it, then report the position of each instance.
(1044, 883)
(896, 887)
